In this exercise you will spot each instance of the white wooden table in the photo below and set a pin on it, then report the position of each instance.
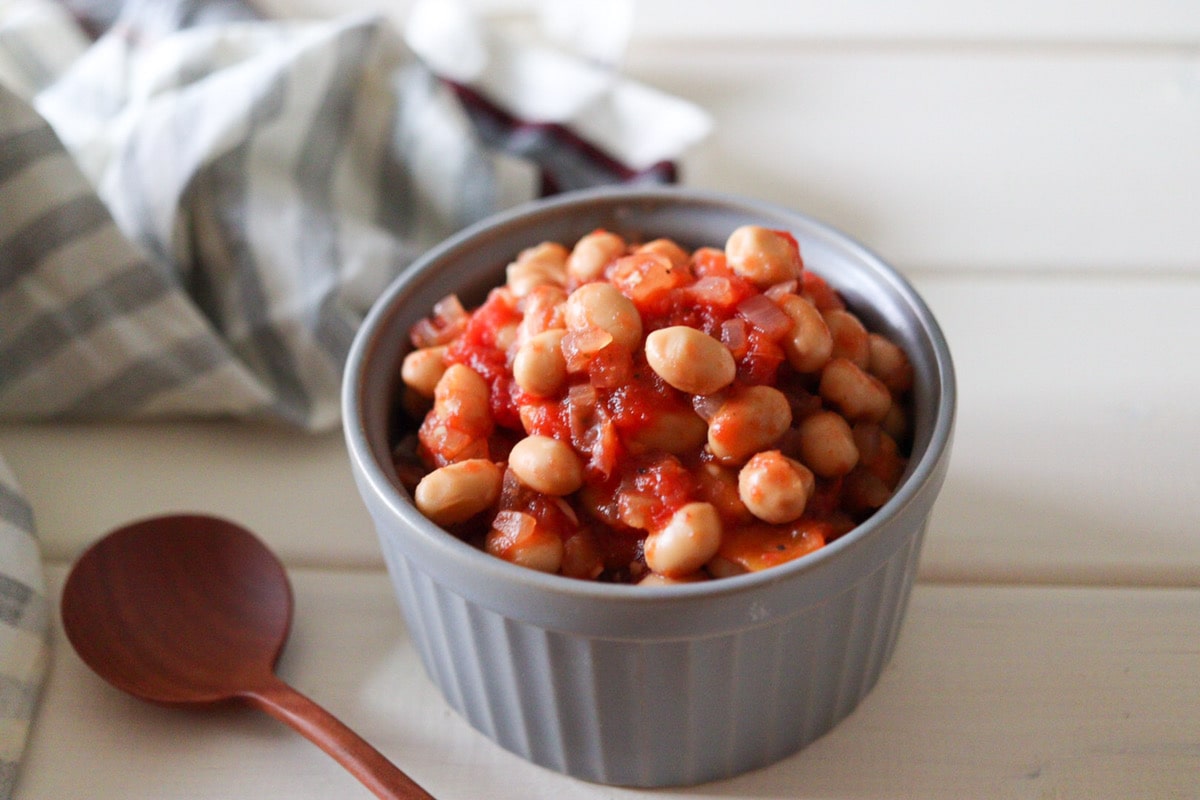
(1036, 176)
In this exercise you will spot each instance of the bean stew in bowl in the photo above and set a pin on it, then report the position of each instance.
(635, 412)
(650, 469)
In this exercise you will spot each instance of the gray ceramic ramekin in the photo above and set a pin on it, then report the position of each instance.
(632, 685)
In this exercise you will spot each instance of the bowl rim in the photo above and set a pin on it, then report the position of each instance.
(437, 542)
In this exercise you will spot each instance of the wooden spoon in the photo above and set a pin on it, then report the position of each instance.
(190, 610)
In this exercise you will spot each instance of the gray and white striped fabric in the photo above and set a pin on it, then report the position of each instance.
(24, 620)
(197, 207)
(213, 228)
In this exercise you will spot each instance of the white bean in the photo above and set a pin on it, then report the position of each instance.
(750, 420)
(457, 492)
(542, 265)
(656, 579)
(463, 394)
(896, 422)
(849, 337)
(546, 465)
(601, 306)
(762, 256)
(517, 537)
(665, 247)
(541, 310)
(889, 363)
(719, 486)
(690, 360)
(826, 444)
(423, 368)
(808, 344)
(539, 366)
(859, 396)
(689, 539)
(592, 254)
(774, 487)
(677, 431)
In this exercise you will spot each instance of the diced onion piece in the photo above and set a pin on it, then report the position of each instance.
(644, 277)
(733, 336)
(713, 290)
(581, 404)
(582, 407)
(761, 312)
(606, 449)
(780, 289)
(611, 368)
(449, 310)
(516, 537)
(565, 508)
(514, 524)
(444, 325)
(580, 346)
(707, 405)
(455, 442)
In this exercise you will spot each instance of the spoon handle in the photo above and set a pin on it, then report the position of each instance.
(349, 749)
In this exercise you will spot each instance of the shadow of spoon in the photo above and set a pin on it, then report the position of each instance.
(191, 610)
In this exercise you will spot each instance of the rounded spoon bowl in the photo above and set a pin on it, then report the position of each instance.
(192, 610)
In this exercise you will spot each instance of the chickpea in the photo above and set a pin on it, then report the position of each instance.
(675, 431)
(655, 579)
(775, 488)
(581, 555)
(592, 254)
(826, 443)
(719, 485)
(762, 256)
(889, 363)
(552, 254)
(896, 423)
(456, 492)
(721, 567)
(689, 539)
(463, 394)
(423, 368)
(542, 265)
(690, 360)
(849, 337)
(879, 453)
(678, 257)
(602, 306)
(864, 491)
(856, 394)
(750, 420)
(546, 465)
(539, 366)
(517, 537)
(809, 344)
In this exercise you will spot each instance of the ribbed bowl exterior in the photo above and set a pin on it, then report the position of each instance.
(657, 712)
(657, 686)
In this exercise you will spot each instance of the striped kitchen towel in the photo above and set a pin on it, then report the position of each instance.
(197, 206)
(24, 621)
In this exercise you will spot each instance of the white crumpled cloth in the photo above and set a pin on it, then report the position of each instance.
(198, 205)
